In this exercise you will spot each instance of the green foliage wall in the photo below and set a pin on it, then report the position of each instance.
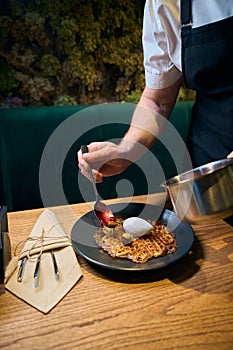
(68, 52)
(71, 52)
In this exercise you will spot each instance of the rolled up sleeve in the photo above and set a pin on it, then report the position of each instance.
(161, 43)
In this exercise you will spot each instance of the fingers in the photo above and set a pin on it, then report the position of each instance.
(84, 168)
(230, 155)
(100, 152)
(98, 177)
(104, 158)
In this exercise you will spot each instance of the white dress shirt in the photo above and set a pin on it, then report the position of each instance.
(161, 36)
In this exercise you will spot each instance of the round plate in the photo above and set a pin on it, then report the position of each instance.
(85, 245)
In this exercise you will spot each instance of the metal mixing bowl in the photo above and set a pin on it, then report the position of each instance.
(204, 193)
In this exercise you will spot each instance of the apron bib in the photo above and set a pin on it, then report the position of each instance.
(207, 53)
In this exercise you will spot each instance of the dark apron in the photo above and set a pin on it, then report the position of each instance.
(207, 61)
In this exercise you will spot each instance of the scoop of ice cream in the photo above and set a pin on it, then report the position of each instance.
(136, 226)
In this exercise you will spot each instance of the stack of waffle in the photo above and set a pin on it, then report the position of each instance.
(159, 241)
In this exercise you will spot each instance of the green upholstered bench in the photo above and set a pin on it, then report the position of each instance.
(38, 148)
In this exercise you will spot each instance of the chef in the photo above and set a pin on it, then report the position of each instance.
(189, 41)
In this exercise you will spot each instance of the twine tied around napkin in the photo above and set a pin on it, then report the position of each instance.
(46, 237)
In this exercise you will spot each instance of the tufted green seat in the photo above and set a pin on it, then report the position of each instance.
(38, 148)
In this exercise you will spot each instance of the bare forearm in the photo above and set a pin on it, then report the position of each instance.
(162, 100)
(149, 119)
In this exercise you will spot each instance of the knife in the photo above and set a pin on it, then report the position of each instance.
(37, 272)
(56, 271)
(21, 269)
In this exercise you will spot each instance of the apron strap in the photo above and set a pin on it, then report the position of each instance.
(186, 12)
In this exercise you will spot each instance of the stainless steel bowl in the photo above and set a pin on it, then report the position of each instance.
(204, 193)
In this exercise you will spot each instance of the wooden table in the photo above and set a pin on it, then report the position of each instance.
(188, 306)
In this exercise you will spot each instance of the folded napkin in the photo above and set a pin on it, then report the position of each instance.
(46, 242)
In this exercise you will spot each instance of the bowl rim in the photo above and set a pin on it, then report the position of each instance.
(198, 172)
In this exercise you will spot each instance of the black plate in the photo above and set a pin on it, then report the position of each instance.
(84, 243)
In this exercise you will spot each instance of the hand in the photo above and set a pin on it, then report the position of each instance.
(149, 119)
(106, 160)
(230, 155)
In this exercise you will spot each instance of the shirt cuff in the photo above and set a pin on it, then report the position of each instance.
(162, 80)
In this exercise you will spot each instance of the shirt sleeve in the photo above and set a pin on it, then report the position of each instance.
(161, 43)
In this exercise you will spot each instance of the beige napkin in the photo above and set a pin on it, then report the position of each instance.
(47, 235)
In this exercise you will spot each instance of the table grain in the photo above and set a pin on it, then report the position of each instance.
(189, 305)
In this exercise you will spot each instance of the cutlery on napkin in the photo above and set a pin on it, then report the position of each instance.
(48, 267)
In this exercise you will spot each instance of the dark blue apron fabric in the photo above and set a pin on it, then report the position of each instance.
(207, 53)
(207, 66)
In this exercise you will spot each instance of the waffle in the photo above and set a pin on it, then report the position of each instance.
(160, 241)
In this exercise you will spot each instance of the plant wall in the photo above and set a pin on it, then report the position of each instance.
(53, 51)
(70, 51)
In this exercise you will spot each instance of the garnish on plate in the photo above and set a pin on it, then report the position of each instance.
(117, 242)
